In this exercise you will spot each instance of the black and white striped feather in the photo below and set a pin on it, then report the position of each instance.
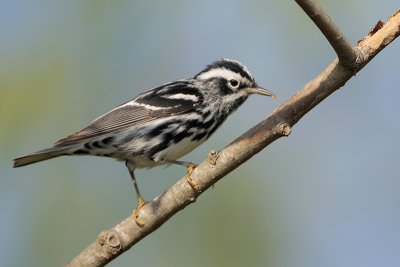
(164, 101)
(164, 123)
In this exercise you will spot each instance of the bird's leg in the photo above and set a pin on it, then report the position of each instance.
(190, 166)
(140, 200)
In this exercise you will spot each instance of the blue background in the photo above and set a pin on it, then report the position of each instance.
(329, 195)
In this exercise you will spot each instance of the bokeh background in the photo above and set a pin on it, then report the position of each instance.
(329, 195)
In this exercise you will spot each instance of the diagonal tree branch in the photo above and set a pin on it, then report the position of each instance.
(346, 53)
(113, 242)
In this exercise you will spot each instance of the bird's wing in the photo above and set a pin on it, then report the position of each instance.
(170, 99)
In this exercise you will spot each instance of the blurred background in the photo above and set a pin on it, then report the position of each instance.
(329, 195)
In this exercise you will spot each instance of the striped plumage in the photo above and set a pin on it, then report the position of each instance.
(163, 124)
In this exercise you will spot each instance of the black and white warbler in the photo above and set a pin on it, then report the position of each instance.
(163, 124)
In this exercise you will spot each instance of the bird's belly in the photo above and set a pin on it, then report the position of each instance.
(145, 157)
(178, 150)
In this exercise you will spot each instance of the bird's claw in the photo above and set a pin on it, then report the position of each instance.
(188, 177)
(140, 203)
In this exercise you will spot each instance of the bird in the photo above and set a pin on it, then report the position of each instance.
(161, 125)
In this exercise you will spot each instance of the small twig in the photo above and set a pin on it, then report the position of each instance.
(113, 242)
(346, 53)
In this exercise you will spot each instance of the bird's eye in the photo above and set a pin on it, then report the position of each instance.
(234, 83)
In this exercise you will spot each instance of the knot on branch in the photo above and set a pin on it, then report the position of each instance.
(213, 157)
(284, 129)
(110, 242)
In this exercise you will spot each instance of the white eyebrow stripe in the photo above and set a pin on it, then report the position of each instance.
(220, 72)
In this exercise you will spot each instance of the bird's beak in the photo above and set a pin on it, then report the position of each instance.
(260, 91)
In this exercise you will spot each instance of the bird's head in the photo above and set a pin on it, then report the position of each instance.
(231, 79)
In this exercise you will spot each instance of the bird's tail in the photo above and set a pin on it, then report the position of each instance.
(41, 155)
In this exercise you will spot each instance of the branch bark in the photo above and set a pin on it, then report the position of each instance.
(113, 242)
(346, 53)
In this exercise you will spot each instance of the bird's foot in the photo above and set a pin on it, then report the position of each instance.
(140, 203)
(190, 167)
